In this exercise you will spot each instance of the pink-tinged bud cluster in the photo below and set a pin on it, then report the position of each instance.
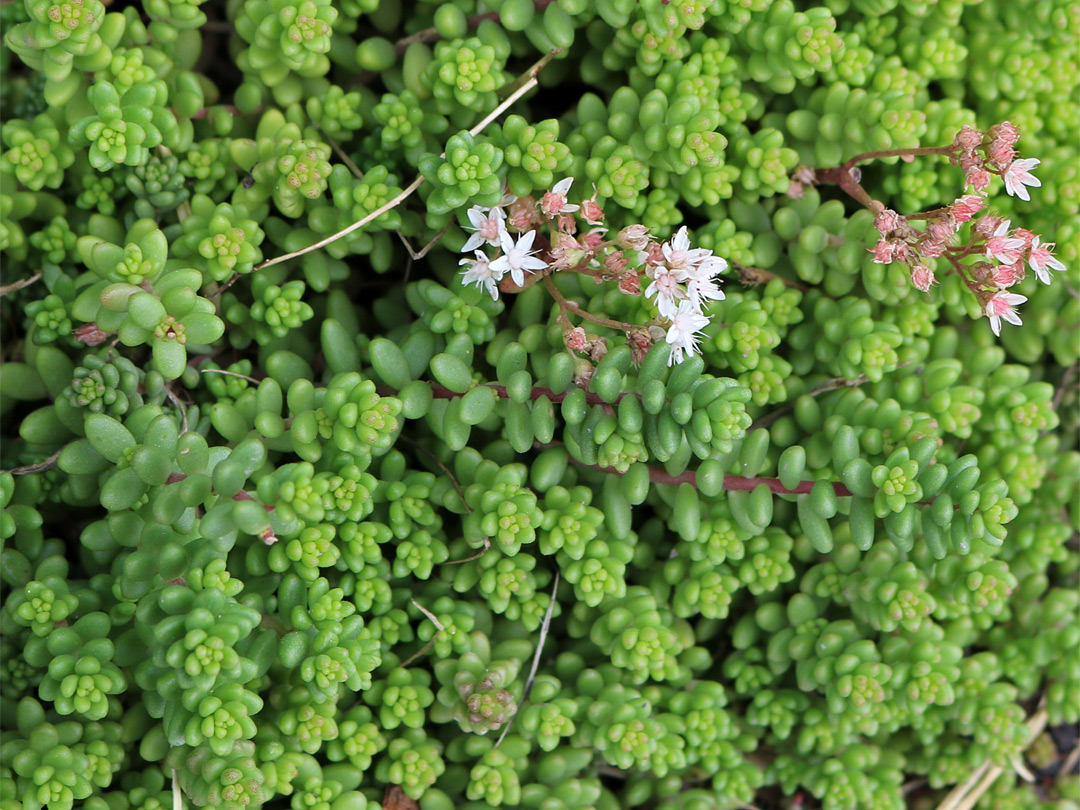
(534, 240)
(1004, 253)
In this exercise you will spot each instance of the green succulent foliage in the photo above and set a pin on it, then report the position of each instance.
(125, 125)
(222, 238)
(389, 539)
(35, 154)
(468, 175)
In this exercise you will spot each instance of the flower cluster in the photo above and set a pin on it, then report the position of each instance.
(991, 256)
(679, 280)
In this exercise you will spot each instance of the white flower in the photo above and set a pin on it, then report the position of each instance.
(1001, 305)
(666, 288)
(1019, 175)
(1001, 248)
(1041, 259)
(682, 333)
(700, 286)
(488, 228)
(517, 258)
(479, 271)
(678, 253)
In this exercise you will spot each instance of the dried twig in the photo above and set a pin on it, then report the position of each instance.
(41, 466)
(528, 84)
(965, 795)
(228, 374)
(431, 642)
(424, 250)
(476, 556)
(544, 627)
(18, 285)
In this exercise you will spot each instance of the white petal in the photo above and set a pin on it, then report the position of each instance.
(473, 242)
(995, 324)
(525, 241)
(533, 263)
(563, 187)
(506, 241)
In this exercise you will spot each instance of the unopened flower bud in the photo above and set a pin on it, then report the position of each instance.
(969, 161)
(887, 221)
(566, 251)
(978, 179)
(931, 249)
(922, 277)
(523, 214)
(640, 341)
(633, 237)
(591, 211)
(1001, 153)
(575, 339)
(968, 138)
(594, 239)
(1006, 275)
(1005, 132)
(967, 206)
(630, 284)
(653, 254)
(884, 251)
(941, 228)
(597, 348)
(615, 262)
(986, 225)
(1023, 233)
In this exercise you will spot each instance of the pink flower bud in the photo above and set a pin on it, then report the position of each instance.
(884, 251)
(654, 254)
(630, 284)
(1024, 234)
(640, 342)
(1005, 132)
(887, 221)
(592, 212)
(575, 339)
(633, 237)
(1001, 153)
(615, 262)
(931, 249)
(551, 203)
(986, 225)
(922, 277)
(566, 251)
(978, 179)
(1006, 275)
(968, 138)
(566, 223)
(969, 161)
(941, 228)
(597, 348)
(795, 190)
(523, 214)
(967, 206)
(593, 240)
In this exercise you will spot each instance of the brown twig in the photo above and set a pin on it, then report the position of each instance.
(41, 466)
(18, 285)
(528, 84)
(757, 275)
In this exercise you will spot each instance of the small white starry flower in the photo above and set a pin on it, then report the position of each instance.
(479, 271)
(666, 288)
(1002, 305)
(700, 284)
(679, 255)
(682, 333)
(488, 228)
(1019, 175)
(517, 259)
(1041, 259)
